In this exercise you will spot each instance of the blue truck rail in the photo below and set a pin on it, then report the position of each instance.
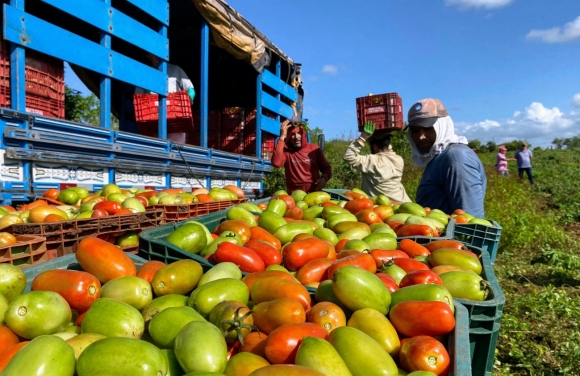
(40, 152)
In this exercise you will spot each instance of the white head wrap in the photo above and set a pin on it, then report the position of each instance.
(445, 136)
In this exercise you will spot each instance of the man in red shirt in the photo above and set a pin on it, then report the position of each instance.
(305, 166)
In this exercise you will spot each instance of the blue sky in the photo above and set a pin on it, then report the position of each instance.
(505, 69)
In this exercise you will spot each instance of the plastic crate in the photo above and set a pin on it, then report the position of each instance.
(27, 251)
(178, 106)
(66, 262)
(481, 236)
(63, 237)
(484, 320)
(458, 343)
(44, 80)
(385, 110)
(176, 213)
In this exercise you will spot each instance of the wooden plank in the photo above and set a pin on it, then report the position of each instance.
(31, 32)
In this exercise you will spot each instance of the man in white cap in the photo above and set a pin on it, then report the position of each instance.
(454, 177)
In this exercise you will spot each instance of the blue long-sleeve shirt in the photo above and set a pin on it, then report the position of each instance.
(455, 179)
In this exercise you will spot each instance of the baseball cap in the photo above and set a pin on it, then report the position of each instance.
(502, 148)
(425, 112)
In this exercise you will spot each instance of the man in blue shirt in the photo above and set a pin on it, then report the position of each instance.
(454, 177)
(524, 157)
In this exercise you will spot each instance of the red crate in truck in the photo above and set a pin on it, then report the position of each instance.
(44, 78)
(179, 115)
(385, 110)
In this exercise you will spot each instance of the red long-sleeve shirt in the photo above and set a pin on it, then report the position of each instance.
(303, 166)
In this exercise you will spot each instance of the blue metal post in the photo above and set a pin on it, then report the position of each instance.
(162, 130)
(204, 82)
(105, 95)
(259, 116)
(17, 69)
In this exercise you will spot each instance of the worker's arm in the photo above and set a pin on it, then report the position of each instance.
(359, 163)
(278, 156)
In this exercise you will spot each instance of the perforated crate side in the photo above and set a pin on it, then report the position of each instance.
(480, 236)
(28, 250)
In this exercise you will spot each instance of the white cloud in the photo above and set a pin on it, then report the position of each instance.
(576, 100)
(330, 70)
(480, 3)
(537, 124)
(568, 33)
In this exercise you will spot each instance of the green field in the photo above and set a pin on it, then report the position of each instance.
(538, 262)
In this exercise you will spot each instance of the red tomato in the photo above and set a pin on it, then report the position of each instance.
(359, 204)
(424, 353)
(104, 260)
(340, 245)
(266, 251)
(237, 226)
(447, 244)
(51, 193)
(294, 213)
(251, 278)
(79, 289)
(380, 256)
(422, 318)
(9, 353)
(362, 260)
(245, 258)
(395, 225)
(303, 236)
(268, 316)
(8, 207)
(258, 233)
(346, 253)
(125, 211)
(110, 207)
(282, 344)
(299, 253)
(149, 269)
(420, 277)
(7, 338)
(415, 230)
(412, 248)
(99, 213)
(328, 315)
(314, 271)
(233, 349)
(368, 216)
(143, 200)
(410, 265)
(328, 203)
(255, 343)
(271, 288)
(79, 319)
(388, 281)
(287, 199)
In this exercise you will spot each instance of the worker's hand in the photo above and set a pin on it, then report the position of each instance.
(284, 128)
(191, 94)
(368, 130)
(320, 183)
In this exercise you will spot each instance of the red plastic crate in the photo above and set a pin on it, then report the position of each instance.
(385, 110)
(150, 127)
(147, 106)
(28, 250)
(44, 77)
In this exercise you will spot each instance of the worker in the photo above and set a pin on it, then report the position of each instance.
(454, 177)
(382, 170)
(306, 167)
(177, 80)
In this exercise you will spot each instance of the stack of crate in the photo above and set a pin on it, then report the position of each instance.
(44, 77)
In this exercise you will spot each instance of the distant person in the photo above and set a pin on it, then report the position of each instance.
(177, 80)
(382, 170)
(305, 165)
(454, 177)
(524, 158)
(501, 164)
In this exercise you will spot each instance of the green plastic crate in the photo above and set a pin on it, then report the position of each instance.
(458, 343)
(152, 244)
(481, 236)
(66, 262)
(484, 319)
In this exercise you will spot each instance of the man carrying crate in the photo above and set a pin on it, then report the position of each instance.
(382, 170)
(303, 162)
(177, 80)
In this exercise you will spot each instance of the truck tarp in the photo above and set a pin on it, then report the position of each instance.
(232, 33)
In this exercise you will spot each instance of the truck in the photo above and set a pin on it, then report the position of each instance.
(245, 87)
